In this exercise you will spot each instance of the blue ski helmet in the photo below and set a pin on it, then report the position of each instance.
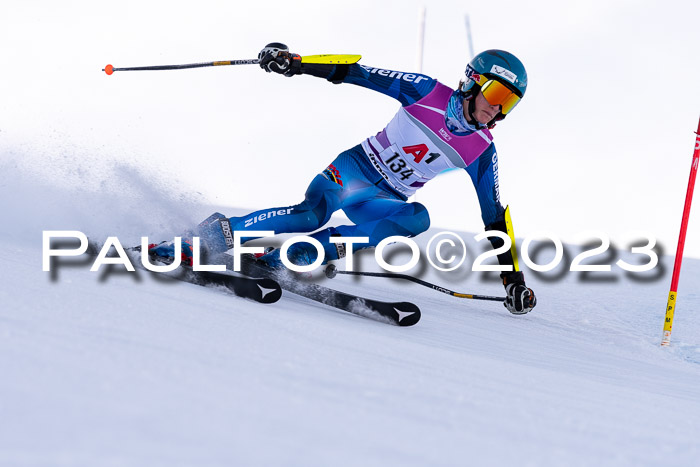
(495, 65)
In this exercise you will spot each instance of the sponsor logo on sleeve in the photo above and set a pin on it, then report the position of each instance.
(496, 183)
(333, 174)
(267, 215)
(409, 77)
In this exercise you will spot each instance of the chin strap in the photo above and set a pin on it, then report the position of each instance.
(499, 116)
(470, 109)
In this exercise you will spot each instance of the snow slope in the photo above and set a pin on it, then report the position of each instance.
(128, 369)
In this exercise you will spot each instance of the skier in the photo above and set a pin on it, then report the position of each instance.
(437, 128)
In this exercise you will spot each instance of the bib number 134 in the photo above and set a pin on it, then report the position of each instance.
(398, 165)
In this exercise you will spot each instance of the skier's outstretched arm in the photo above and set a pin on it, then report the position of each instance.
(484, 174)
(407, 88)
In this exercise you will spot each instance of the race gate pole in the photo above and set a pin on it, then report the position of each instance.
(673, 293)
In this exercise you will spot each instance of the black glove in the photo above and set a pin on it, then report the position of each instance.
(519, 299)
(276, 57)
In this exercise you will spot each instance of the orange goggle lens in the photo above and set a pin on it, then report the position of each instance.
(497, 93)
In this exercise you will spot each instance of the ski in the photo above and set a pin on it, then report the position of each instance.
(262, 290)
(398, 313)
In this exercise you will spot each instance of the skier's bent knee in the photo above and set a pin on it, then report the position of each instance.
(420, 220)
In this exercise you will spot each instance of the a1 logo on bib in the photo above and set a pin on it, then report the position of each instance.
(419, 151)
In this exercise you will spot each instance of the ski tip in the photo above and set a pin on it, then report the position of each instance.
(109, 69)
(407, 313)
(270, 290)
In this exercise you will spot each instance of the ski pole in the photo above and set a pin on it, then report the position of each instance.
(328, 59)
(331, 271)
(109, 69)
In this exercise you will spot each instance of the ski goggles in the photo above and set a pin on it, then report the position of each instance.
(497, 93)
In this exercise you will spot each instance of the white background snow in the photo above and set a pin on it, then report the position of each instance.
(126, 369)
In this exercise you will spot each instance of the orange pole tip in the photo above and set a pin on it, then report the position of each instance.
(109, 69)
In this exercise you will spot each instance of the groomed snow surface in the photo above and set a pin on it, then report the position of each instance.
(125, 369)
